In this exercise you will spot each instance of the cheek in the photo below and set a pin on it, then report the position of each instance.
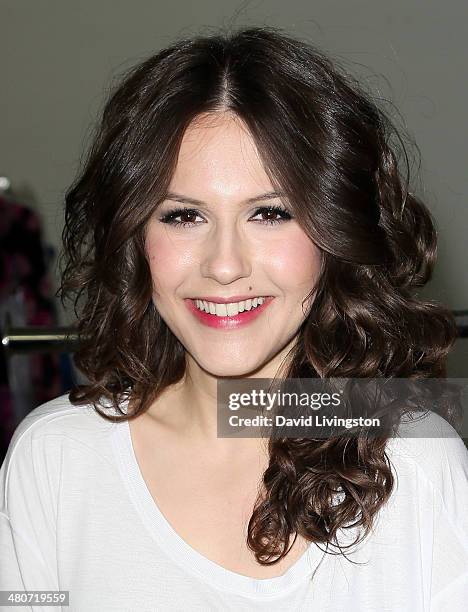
(296, 261)
(167, 259)
(160, 257)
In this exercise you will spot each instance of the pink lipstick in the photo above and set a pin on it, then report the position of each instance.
(228, 322)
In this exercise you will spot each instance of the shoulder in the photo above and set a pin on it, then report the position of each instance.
(430, 442)
(431, 464)
(49, 417)
(57, 417)
(49, 435)
(431, 450)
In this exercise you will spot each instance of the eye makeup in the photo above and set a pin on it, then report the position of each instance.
(170, 216)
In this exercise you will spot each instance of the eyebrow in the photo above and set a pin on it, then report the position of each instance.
(170, 195)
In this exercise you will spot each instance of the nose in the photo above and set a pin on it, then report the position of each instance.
(225, 257)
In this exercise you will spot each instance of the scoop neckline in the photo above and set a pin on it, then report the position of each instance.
(181, 552)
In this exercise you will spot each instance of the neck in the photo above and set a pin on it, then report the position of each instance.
(188, 410)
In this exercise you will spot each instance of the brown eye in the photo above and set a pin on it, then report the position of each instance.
(269, 215)
(271, 212)
(187, 216)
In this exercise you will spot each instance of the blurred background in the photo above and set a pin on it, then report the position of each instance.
(58, 60)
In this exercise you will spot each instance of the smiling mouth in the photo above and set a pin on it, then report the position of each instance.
(228, 316)
(229, 309)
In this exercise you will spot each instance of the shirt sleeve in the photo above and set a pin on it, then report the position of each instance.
(443, 465)
(453, 597)
(440, 458)
(450, 569)
(27, 517)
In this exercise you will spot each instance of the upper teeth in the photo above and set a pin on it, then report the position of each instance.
(228, 310)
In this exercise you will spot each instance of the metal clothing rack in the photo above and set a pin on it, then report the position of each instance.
(65, 339)
(37, 339)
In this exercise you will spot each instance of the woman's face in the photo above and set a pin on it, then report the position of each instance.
(227, 249)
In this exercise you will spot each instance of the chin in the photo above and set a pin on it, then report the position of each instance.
(234, 368)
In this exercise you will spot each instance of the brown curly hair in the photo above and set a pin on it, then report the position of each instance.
(343, 166)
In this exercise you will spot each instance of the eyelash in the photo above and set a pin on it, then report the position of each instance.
(170, 216)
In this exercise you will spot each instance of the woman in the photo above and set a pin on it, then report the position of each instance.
(239, 169)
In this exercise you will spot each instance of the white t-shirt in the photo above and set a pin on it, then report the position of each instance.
(76, 515)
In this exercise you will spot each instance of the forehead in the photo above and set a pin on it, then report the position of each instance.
(218, 152)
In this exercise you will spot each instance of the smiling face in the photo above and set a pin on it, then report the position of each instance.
(226, 246)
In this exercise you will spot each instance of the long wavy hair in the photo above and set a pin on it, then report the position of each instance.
(342, 164)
